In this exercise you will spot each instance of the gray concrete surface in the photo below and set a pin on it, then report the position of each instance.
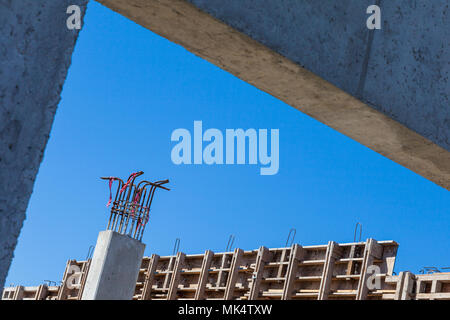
(402, 70)
(114, 268)
(35, 54)
(387, 89)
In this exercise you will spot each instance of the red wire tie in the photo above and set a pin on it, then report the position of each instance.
(128, 182)
(111, 179)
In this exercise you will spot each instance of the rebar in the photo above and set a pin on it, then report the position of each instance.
(130, 211)
(230, 243)
(360, 232)
(291, 236)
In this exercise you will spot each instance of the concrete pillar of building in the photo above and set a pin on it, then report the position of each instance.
(115, 267)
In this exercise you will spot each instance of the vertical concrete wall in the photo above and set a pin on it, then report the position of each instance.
(114, 268)
(35, 53)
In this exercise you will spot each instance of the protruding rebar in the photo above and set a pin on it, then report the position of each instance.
(90, 252)
(360, 232)
(230, 243)
(131, 206)
(291, 236)
(176, 246)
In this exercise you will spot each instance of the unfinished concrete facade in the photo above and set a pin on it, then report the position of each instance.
(336, 271)
(387, 89)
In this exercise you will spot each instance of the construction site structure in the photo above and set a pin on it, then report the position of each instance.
(335, 271)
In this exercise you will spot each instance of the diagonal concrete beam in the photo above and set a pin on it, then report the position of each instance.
(35, 54)
(274, 68)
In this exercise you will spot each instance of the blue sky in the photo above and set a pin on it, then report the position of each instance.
(128, 89)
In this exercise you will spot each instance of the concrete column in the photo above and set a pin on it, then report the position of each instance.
(408, 285)
(115, 267)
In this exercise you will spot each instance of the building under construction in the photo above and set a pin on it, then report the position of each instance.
(334, 271)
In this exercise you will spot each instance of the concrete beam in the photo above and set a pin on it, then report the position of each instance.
(35, 53)
(387, 89)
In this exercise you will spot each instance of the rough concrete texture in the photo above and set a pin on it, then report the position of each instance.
(402, 70)
(114, 268)
(365, 84)
(35, 54)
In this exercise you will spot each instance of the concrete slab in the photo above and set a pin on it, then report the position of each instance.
(387, 89)
(114, 268)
